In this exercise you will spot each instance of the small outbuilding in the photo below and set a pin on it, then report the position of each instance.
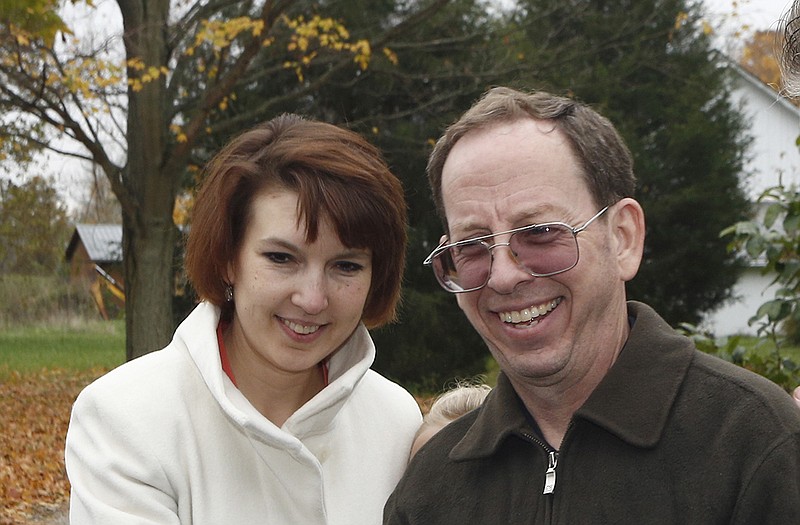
(94, 255)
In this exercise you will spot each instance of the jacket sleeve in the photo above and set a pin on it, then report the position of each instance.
(771, 495)
(392, 515)
(113, 470)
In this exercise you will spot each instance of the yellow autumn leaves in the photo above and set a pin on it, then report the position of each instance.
(318, 33)
(35, 410)
(140, 74)
(91, 79)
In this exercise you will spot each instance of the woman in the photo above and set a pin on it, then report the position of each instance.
(263, 408)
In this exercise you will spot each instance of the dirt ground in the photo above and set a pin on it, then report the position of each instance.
(49, 515)
(37, 514)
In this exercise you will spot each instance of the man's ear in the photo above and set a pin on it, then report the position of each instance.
(628, 229)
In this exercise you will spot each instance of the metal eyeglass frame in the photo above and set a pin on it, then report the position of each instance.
(444, 247)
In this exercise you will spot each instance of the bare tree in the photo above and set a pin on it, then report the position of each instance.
(97, 203)
(140, 117)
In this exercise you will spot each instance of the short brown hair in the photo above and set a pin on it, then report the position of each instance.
(336, 173)
(606, 161)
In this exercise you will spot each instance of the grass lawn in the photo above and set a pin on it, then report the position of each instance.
(87, 346)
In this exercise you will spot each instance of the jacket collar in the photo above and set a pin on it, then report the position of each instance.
(347, 366)
(632, 402)
(501, 415)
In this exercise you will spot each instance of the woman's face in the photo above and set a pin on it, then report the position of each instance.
(295, 302)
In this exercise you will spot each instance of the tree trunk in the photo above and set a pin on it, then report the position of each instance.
(148, 230)
(149, 282)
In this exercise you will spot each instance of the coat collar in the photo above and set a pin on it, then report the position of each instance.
(632, 402)
(347, 366)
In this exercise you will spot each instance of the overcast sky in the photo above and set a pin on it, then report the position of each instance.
(759, 14)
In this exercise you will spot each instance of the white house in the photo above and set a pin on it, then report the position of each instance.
(773, 157)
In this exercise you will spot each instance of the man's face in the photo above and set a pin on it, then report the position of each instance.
(511, 175)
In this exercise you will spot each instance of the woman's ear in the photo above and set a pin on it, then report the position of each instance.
(230, 274)
(628, 231)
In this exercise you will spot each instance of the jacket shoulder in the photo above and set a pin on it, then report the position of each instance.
(741, 390)
(395, 400)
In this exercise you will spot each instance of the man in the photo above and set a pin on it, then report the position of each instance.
(602, 412)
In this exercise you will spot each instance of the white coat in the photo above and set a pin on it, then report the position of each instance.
(168, 439)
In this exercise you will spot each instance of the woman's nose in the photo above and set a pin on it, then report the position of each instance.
(311, 295)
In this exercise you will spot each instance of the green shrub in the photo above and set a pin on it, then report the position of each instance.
(762, 355)
(28, 299)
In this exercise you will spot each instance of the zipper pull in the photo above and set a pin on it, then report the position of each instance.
(550, 475)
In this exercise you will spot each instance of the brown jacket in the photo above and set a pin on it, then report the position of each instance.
(670, 436)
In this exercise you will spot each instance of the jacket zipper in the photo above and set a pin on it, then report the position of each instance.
(552, 459)
(550, 473)
(552, 462)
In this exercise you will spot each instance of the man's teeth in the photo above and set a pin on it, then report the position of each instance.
(301, 329)
(529, 314)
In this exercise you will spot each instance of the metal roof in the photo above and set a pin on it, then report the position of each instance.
(103, 242)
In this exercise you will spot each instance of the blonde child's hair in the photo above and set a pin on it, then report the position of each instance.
(454, 403)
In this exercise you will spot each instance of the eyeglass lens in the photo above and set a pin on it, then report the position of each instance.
(541, 250)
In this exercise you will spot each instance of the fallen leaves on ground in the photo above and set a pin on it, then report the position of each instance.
(34, 415)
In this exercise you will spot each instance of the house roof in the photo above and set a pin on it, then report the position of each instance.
(759, 85)
(103, 242)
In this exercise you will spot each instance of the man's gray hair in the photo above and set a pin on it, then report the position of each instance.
(605, 159)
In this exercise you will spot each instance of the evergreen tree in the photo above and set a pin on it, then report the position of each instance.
(649, 66)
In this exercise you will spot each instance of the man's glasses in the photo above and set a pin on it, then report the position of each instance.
(541, 250)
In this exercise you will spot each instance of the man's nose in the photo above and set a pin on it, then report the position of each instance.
(506, 272)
